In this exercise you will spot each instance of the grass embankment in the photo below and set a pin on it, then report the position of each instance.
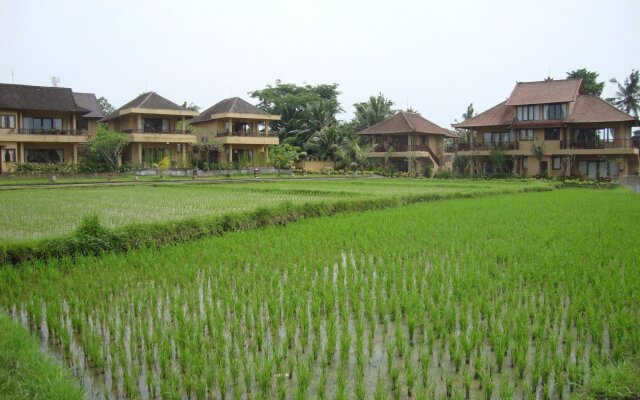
(516, 296)
(92, 238)
(26, 373)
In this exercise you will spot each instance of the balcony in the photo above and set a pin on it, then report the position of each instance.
(484, 147)
(157, 131)
(24, 131)
(245, 134)
(601, 144)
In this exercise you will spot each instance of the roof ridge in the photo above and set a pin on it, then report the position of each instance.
(413, 129)
(145, 99)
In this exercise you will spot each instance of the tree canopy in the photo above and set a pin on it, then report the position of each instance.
(305, 109)
(589, 80)
(628, 94)
(191, 106)
(368, 113)
(105, 106)
(106, 147)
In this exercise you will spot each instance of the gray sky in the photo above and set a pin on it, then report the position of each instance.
(434, 56)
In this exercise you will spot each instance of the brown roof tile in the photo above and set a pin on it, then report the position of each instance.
(44, 98)
(150, 100)
(231, 105)
(590, 108)
(406, 122)
(498, 115)
(89, 101)
(544, 92)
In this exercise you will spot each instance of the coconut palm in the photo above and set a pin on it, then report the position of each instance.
(628, 95)
(375, 110)
(354, 153)
(325, 143)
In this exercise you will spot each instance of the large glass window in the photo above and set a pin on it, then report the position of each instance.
(555, 111)
(42, 124)
(598, 169)
(44, 156)
(552, 134)
(556, 162)
(155, 125)
(528, 113)
(499, 137)
(7, 121)
(526, 134)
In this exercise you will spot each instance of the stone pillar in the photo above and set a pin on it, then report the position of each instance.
(75, 153)
(230, 154)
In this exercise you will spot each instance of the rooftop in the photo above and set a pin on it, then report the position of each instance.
(90, 102)
(233, 105)
(544, 92)
(38, 98)
(406, 122)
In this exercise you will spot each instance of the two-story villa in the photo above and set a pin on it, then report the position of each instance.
(40, 124)
(233, 131)
(551, 127)
(156, 127)
(409, 142)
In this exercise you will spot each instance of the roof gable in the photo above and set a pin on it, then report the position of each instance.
(150, 101)
(233, 105)
(41, 98)
(90, 102)
(498, 115)
(405, 122)
(590, 108)
(544, 92)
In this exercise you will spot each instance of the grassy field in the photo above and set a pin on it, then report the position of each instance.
(511, 296)
(37, 213)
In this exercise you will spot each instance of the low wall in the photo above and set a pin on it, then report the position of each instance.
(631, 181)
(315, 166)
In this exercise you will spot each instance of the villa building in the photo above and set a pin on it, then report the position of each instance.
(41, 124)
(409, 143)
(551, 128)
(157, 129)
(234, 131)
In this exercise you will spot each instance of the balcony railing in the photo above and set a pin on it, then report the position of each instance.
(601, 144)
(401, 147)
(487, 147)
(157, 131)
(25, 131)
(247, 134)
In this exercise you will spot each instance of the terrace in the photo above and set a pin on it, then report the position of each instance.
(52, 131)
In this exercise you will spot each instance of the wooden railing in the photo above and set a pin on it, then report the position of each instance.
(601, 144)
(158, 131)
(485, 146)
(25, 131)
(247, 134)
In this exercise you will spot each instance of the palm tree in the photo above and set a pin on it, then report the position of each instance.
(628, 95)
(373, 111)
(326, 142)
(354, 153)
(318, 115)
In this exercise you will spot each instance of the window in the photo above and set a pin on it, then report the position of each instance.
(487, 137)
(42, 124)
(525, 163)
(598, 169)
(44, 156)
(155, 125)
(555, 111)
(7, 121)
(556, 162)
(153, 155)
(526, 134)
(9, 155)
(528, 113)
(552, 134)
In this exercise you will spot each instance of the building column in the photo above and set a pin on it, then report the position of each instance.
(139, 121)
(266, 127)
(20, 155)
(184, 126)
(139, 152)
(75, 153)
(74, 124)
(230, 127)
(230, 154)
(184, 153)
(1, 159)
(266, 153)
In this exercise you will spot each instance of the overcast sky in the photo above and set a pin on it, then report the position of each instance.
(436, 57)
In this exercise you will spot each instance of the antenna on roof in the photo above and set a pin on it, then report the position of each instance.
(55, 81)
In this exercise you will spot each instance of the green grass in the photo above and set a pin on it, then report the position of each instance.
(26, 373)
(447, 291)
(40, 213)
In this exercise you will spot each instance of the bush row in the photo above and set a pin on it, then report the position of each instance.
(91, 238)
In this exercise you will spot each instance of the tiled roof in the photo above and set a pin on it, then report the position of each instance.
(234, 105)
(406, 122)
(544, 92)
(590, 108)
(89, 102)
(497, 115)
(151, 101)
(44, 98)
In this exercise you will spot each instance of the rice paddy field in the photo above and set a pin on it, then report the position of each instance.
(33, 213)
(519, 295)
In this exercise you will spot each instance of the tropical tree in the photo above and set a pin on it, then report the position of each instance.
(304, 109)
(465, 134)
(590, 82)
(106, 148)
(191, 106)
(375, 110)
(628, 95)
(283, 155)
(354, 152)
(105, 106)
(326, 142)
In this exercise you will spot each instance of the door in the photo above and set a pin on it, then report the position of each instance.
(592, 170)
(544, 166)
